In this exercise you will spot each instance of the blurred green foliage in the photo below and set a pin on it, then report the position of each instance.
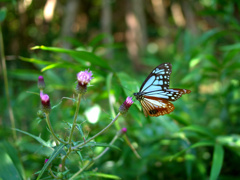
(198, 140)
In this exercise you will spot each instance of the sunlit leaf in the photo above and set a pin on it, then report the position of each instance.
(101, 175)
(40, 140)
(35, 61)
(84, 55)
(8, 169)
(128, 84)
(198, 129)
(10, 166)
(218, 155)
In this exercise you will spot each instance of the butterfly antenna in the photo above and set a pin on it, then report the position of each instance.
(127, 89)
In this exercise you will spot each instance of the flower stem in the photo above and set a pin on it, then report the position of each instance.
(75, 118)
(51, 129)
(81, 170)
(106, 149)
(5, 79)
(85, 142)
(96, 158)
(64, 159)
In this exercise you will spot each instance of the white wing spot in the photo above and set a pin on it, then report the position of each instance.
(161, 82)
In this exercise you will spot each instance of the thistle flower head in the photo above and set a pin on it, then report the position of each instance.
(84, 78)
(41, 83)
(46, 160)
(126, 105)
(45, 101)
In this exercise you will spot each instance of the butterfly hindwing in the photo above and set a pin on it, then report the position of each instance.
(156, 107)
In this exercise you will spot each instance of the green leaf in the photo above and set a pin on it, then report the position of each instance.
(232, 47)
(198, 144)
(179, 119)
(207, 35)
(79, 127)
(10, 166)
(35, 61)
(52, 157)
(217, 163)
(40, 140)
(229, 140)
(213, 60)
(24, 74)
(71, 99)
(128, 84)
(84, 55)
(94, 144)
(97, 39)
(103, 175)
(198, 129)
(3, 12)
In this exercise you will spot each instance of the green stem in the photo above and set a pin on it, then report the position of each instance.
(5, 79)
(81, 170)
(51, 129)
(51, 173)
(106, 149)
(72, 130)
(75, 117)
(96, 158)
(64, 159)
(85, 142)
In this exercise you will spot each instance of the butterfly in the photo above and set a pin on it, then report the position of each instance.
(155, 95)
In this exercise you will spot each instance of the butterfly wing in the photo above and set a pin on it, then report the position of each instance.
(168, 94)
(154, 94)
(158, 79)
(156, 107)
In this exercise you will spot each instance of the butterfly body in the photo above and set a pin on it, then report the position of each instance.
(155, 95)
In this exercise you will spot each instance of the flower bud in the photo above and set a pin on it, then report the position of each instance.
(46, 160)
(40, 114)
(126, 105)
(41, 83)
(123, 130)
(84, 78)
(45, 101)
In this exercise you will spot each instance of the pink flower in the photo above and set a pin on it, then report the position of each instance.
(45, 100)
(84, 77)
(123, 130)
(126, 105)
(46, 160)
(41, 83)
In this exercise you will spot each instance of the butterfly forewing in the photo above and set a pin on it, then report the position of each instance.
(158, 79)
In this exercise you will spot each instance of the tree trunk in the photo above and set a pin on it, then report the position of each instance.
(106, 25)
(68, 21)
(136, 33)
(190, 16)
